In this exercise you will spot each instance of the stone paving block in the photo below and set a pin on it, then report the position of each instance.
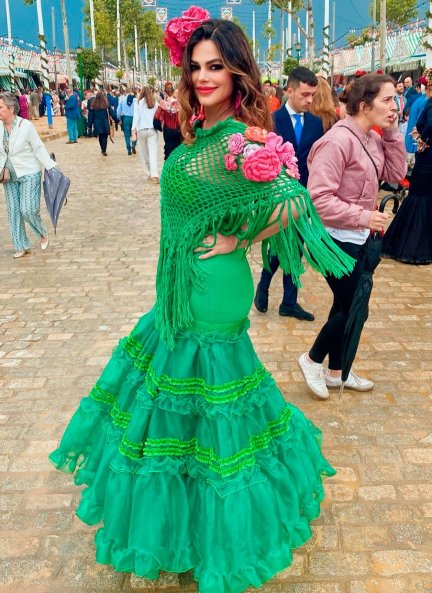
(167, 581)
(395, 562)
(338, 564)
(17, 571)
(18, 547)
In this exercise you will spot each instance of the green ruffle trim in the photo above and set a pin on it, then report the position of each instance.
(215, 394)
(155, 384)
(224, 466)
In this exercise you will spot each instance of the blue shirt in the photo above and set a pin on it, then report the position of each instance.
(414, 114)
(124, 108)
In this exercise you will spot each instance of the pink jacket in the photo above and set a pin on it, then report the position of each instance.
(342, 179)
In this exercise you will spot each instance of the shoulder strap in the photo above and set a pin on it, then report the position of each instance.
(365, 149)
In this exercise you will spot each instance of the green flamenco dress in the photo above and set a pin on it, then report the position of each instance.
(191, 457)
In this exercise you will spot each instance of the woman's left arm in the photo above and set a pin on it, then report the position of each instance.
(395, 165)
(39, 149)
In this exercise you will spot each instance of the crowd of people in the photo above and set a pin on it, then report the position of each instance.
(191, 455)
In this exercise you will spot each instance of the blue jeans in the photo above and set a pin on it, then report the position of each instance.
(127, 130)
(72, 129)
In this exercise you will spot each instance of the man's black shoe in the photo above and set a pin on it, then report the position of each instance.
(133, 150)
(261, 300)
(295, 311)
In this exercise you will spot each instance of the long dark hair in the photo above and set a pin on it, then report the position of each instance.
(100, 101)
(237, 57)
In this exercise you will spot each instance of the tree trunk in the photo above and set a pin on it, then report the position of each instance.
(126, 61)
(311, 36)
(66, 41)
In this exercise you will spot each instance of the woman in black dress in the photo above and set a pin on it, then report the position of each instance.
(99, 116)
(409, 237)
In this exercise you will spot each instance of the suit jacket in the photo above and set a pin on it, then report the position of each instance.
(312, 131)
(407, 93)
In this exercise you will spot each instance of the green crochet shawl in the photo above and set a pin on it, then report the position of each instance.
(200, 197)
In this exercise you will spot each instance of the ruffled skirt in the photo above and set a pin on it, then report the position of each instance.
(194, 461)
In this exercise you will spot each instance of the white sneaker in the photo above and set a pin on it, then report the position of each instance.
(313, 373)
(21, 253)
(44, 244)
(353, 382)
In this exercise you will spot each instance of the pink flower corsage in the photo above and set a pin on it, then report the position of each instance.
(179, 30)
(230, 161)
(236, 143)
(261, 163)
(256, 134)
(250, 149)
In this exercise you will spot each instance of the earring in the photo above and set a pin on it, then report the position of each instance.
(200, 116)
(237, 103)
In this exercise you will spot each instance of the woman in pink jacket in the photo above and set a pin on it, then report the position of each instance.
(345, 166)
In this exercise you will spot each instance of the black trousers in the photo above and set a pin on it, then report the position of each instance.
(172, 139)
(290, 290)
(103, 142)
(329, 340)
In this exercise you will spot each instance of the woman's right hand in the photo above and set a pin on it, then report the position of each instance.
(377, 221)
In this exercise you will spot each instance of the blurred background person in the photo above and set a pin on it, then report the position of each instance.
(34, 104)
(145, 133)
(73, 113)
(323, 104)
(125, 112)
(24, 111)
(167, 115)
(413, 114)
(99, 116)
(273, 102)
(23, 154)
(409, 236)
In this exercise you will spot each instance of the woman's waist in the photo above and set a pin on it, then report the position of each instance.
(223, 291)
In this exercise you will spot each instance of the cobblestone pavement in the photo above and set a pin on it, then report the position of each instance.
(61, 313)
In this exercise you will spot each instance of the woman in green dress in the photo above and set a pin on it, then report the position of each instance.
(191, 456)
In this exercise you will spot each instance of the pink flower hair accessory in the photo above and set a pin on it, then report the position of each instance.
(179, 30)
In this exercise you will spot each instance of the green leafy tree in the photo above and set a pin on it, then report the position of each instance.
(289, 64)
(91, 64)
(398, 12)
(151, 81)
(131, 14)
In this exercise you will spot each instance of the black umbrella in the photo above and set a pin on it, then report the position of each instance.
(55, 186)
(359, 310)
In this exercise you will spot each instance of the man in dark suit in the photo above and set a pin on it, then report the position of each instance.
(295, 124)
(409, 89)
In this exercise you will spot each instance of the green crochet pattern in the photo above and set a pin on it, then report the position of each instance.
(224, 466)
(200, 197)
